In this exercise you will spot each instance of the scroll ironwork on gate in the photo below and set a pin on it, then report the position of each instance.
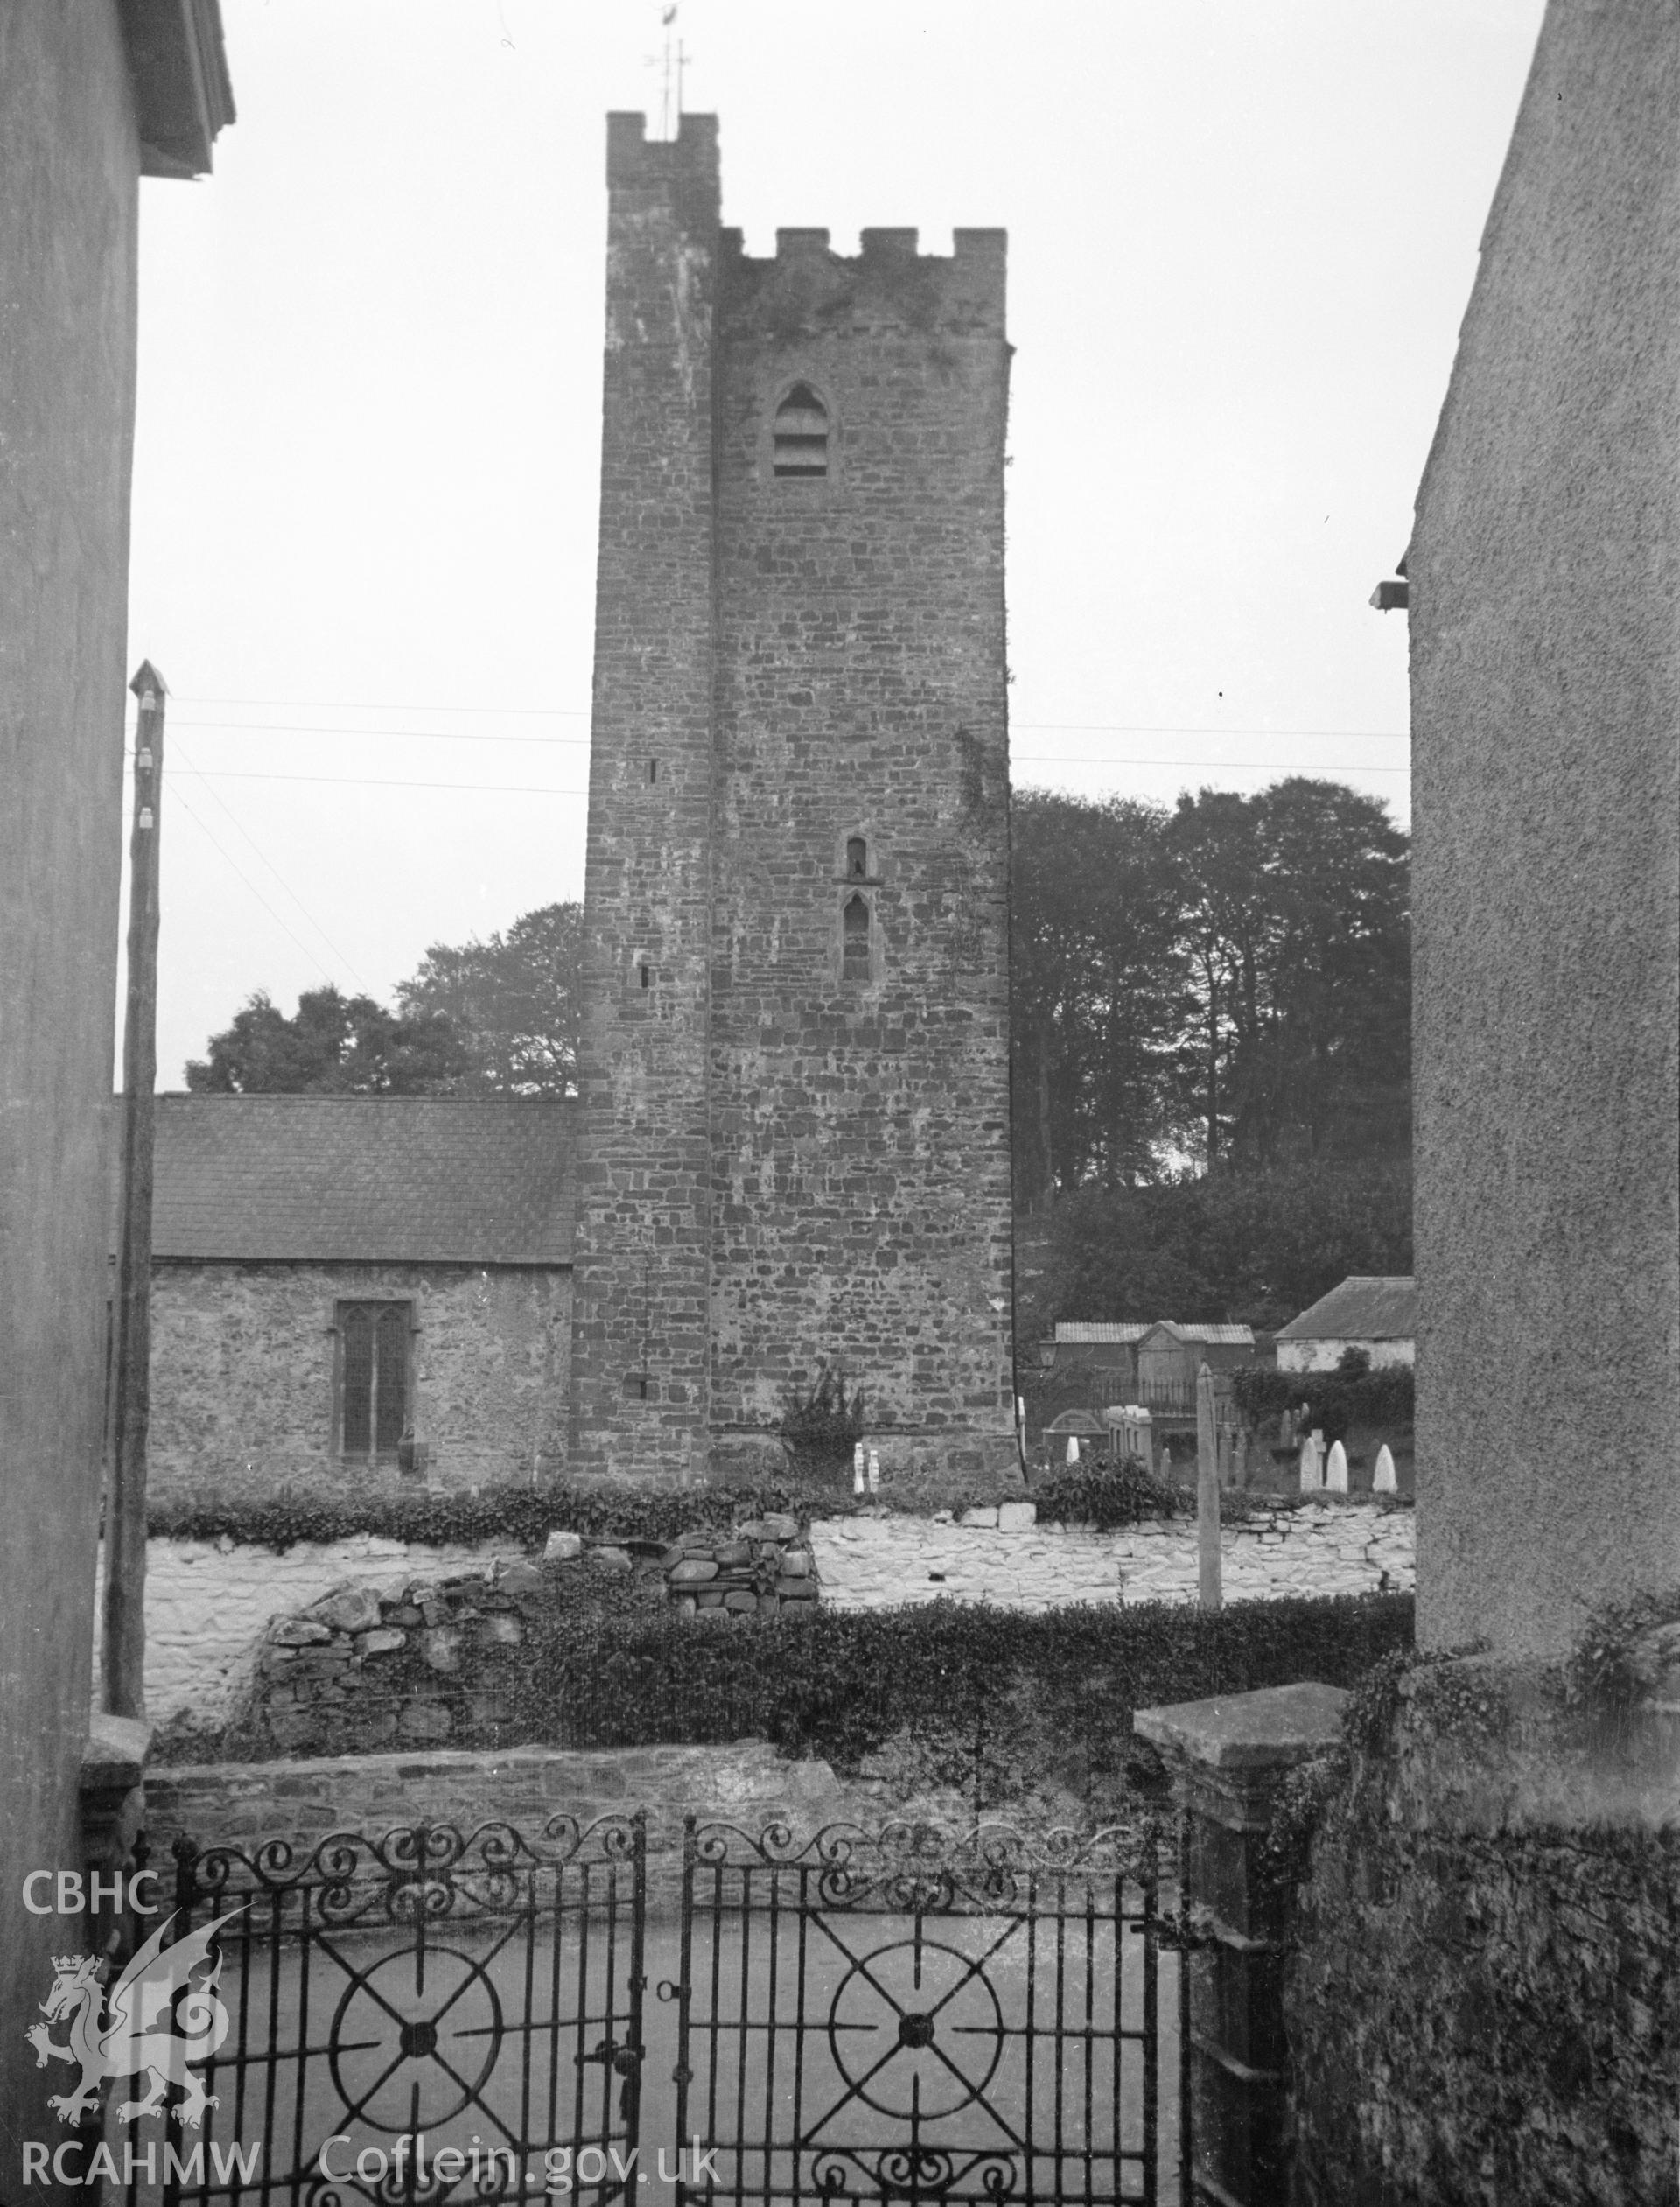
(479, 1991)
(907, 2016)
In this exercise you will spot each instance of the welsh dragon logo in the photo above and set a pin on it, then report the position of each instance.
(143, 2030)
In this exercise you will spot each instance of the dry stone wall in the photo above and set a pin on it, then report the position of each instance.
(208, 1604)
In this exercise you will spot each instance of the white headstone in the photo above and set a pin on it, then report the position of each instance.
(1335, 1472)
(1309, 1465)
(1383, 1482)
(1073, 1448)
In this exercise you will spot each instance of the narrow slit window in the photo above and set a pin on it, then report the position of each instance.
(854, 940)
(646, 972)
(857, 859)
(653, 770)
(800, 440)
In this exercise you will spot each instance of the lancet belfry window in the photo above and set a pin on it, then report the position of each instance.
(800, 435)
(854, 939)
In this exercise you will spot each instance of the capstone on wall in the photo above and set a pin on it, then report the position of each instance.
(243, 1359)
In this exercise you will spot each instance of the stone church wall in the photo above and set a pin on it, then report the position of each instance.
(243, 1361)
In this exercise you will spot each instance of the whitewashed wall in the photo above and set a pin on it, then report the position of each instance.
(209, 1602)
(1324, 1356)
(875, 1563)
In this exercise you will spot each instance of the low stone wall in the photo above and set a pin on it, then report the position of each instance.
(1483, 2005)
(208, 1604)
(244, 1804)
(1003, 1556)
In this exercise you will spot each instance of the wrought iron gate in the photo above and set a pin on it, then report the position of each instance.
(394, 2001)
(906, 2016)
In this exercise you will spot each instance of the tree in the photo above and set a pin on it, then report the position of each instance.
(332, 1045)
(1097, 990)
(1251, 1248)
(517, 1000)
(1298, 929)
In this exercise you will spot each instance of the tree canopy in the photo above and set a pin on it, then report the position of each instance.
(516, 1001)
(1225, 985)
(500, 1016)
(1211, 1028)
(332, 1045)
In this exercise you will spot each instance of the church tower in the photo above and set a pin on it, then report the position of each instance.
(795, 1121)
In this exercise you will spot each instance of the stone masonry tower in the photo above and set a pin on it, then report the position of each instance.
(796, 1140)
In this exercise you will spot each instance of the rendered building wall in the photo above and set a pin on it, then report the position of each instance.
(69, 163)
(830, 1156)
(1545, 644)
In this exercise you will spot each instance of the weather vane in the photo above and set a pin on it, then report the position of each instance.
(670, 119)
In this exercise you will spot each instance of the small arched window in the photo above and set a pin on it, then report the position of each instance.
(856, 858)
(854, 939)
(800, 434)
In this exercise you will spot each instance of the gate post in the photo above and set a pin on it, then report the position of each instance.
(1227, 1758)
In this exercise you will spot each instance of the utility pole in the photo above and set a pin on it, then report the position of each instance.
(125, 1512)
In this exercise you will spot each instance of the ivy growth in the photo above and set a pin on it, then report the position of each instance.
(820, 1425)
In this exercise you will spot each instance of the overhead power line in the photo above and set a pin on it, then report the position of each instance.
(548, 790)
(205, 828)
(581, 712)
(370, 781)
(241, 830)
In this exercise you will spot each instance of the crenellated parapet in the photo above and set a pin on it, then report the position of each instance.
(887, 284)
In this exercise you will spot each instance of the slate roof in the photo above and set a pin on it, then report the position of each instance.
(1367, 1306)
(477, 1179)
(1079, 1329)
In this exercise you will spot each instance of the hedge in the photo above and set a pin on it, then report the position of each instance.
(525, 1514)
(838, 1682)
(1107, 1495)
(599, 1668)
(1336, 1401)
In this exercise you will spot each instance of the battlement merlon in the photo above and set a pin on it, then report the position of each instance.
(966, 286)
(684, 167)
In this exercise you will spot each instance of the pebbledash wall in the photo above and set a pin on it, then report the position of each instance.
(244, 1354)
(798, 702)
(208, 1605)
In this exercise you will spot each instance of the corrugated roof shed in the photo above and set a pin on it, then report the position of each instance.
(1074, 1330)
(1367, 1306)
(481, 1180)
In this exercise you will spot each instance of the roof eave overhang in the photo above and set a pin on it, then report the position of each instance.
(182, 95)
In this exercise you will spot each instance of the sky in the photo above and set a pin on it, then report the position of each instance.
(1242, 238)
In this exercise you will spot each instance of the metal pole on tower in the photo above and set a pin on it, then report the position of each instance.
(125, 1653)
